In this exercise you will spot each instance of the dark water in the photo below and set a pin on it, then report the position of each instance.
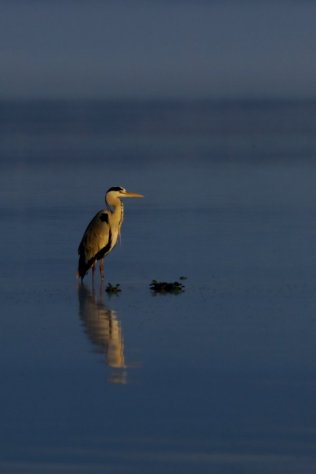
(218, 379)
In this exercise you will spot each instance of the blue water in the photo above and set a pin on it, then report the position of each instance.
(220, 378)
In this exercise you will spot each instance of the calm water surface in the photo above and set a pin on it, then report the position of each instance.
(218, 379)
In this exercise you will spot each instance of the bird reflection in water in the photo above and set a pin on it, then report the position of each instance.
(104, 330)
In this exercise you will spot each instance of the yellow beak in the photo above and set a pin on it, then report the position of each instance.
(132, 195)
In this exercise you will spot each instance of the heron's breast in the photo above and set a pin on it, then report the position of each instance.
(114, 237)
(116, 221)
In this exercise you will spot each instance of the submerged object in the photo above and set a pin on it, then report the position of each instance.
(166, 287)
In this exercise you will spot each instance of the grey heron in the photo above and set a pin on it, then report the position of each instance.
(103, 231)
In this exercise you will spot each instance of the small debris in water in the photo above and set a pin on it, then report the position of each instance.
(183, 278)
(166, 287)
(113, 289)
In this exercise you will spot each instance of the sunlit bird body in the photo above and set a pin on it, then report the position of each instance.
(103, 232)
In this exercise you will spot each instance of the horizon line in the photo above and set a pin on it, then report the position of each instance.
(166, 98)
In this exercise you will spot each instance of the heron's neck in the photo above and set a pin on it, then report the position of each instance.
(116, 209)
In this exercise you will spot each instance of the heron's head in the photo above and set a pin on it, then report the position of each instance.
(119, 192)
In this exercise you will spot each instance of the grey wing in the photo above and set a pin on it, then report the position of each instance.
(96, 237)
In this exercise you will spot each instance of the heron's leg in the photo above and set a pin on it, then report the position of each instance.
(92, 272)
(101, 292)
(102, 269)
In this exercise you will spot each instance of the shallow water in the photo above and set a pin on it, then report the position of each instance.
(217, 379)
